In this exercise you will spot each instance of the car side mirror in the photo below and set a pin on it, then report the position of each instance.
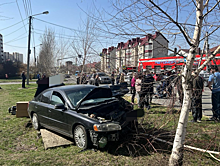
(60, 106)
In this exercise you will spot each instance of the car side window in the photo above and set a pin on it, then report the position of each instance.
(57, 98)
(38, 98)
(45, 97)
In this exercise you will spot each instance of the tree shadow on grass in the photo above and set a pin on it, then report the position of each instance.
(141, 142)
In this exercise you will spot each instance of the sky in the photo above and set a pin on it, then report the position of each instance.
(68, 13)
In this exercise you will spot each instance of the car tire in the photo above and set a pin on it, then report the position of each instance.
(35, 122)
(81, 137)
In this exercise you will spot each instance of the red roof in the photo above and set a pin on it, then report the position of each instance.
(213, 49)
(91, 65)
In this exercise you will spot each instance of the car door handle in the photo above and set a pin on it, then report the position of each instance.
(49, 110)
(35, 106)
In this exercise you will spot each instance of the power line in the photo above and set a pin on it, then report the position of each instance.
(6, 3)
(14, 31)
(17, 38)
(58, 25)
(14, 46)
(25, 8)
(68, 35)
(30, 6)
(12, 25)
(21, 15)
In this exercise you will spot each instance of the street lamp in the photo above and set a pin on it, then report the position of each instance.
(29, 42)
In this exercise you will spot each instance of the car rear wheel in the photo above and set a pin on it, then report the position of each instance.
(81, 137)
(35, 122)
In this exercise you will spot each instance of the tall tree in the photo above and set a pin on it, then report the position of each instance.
(85, 44)
(47, 55)
(177, 20)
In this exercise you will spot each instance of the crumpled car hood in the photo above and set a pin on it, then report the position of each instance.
(99, 92)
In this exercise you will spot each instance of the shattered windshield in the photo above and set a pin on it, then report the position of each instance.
(75, 96)
(96, 101)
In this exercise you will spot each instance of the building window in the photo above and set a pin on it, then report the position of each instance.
(148, 47)
(148, 55)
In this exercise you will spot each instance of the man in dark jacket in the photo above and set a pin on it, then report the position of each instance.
(23, 79)
(197, 99)
(146, 90)
(178, 84)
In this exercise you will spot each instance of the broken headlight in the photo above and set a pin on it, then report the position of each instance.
(107, 127)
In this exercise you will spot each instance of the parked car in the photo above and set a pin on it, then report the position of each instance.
(67, 76)
(89, 114)
(128, 79)
(103, 78)
(205, 77)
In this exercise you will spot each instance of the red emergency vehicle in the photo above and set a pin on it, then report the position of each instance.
(174, 62)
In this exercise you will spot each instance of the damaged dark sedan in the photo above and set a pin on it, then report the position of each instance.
(89, 114)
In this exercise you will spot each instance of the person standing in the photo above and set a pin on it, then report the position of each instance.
(96, 80)
(117, 79)
(38, 76)
(113, 78)
(133, 91)
(23, 79)
(138, 89)
(197, 99)
(146, 88)
(122, 79)
(214, 79)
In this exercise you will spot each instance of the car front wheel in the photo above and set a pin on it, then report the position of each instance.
(81, 138)
(35, 122)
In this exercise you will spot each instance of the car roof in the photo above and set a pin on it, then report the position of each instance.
(71, 87)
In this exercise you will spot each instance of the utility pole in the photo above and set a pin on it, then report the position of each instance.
(29, 51)
(35, 58)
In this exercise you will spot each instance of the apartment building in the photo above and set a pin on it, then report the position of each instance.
(108, 59)
(150, 46)
(14, 57)
(103, 59)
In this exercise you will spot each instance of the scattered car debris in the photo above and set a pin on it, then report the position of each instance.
(12, 110)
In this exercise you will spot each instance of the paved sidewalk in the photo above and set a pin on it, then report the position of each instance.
(206, 102)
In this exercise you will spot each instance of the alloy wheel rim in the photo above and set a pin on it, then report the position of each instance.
(35, 123)
(80, 137)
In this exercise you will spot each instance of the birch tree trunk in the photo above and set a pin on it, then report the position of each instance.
(176, 157)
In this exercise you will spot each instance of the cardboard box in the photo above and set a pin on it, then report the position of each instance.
(21, 109)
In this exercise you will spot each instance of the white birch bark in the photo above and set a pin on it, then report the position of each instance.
(176, 157)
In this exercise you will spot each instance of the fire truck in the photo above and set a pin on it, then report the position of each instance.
(173, 63)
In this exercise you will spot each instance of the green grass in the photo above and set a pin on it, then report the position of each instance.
(15, 80)
(20, 145)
